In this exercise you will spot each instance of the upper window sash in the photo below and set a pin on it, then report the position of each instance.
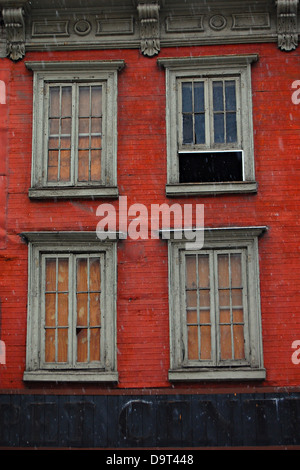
(209, 113)
(73, 141)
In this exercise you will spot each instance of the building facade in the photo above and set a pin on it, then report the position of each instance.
(149, 224)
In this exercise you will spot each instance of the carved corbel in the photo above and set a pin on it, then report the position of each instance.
(15, 32)
(149, 28)
(287, 24)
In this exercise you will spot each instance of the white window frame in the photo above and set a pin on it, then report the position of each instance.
(48, 73)
(241, 239)
(237, 67)
(66, 244)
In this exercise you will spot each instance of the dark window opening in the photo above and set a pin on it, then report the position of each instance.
(212, 167)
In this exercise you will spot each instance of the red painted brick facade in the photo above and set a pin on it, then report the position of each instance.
(142, 301)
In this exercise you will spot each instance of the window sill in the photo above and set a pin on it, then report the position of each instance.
(203, 189)
(70, 376)
(216, 374)
(79, 192)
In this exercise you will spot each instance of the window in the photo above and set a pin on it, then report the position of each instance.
(209, 125)
(74, 129)
(71, 313)
(215, 307)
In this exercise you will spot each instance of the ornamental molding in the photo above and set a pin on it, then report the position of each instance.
(149, 28)
(14, 24)
(147, 25)
(287, 24)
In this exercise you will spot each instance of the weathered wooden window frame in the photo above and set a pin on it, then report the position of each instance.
(237, 67)
(242, 239)
(73, 73)
(41, 244)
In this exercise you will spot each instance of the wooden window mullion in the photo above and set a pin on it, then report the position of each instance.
(59, 132)
(74, 135)
(90, 131)
(215, 307)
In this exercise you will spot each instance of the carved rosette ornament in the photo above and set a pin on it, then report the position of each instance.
(287, 24)
(15, 32)
(149, 28)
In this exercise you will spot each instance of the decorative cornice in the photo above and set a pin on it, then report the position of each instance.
(149, 28)
(15, 32)
(149, 25)
(287, 24)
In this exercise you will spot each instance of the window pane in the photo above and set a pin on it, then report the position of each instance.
(53, 143)
(50, 345)
(95, 165)
(236, 269)
(204, 298)
(238, 336)
(66, 127)
(84, 143)
(84, 126)
(95, 344)
(63, 274)
(191, 298)
(65, 162)
(198, 97)
(83, 165)
(62, 309)
(63, 295)
(203, 267)
(230, 95)
(95, 289)
(224, 298)
(97, 101)
(225, 342)
(54, 98)
(95, 275)
(193, 350)
(82, 344)
(191, 274)
(231, 128)
(192, 317)
(200, 128)
(205, 353)
(96, 125)
(187, 131)
(219, 135)
(82, 295)
(50, 275)
(187, 97)
(62, 350)
(84, 101)
(218, 99)
(223, 271)
(50, 309)
(54, 126)
(66, 101)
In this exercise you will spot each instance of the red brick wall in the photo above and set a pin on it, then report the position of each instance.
(142, 304)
